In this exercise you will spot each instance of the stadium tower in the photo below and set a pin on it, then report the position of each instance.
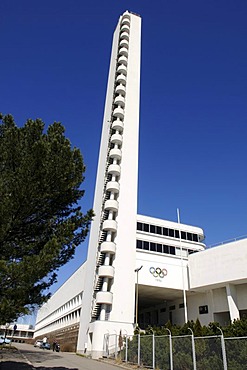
(109, 294)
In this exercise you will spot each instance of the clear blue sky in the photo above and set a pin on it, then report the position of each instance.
(193, 117)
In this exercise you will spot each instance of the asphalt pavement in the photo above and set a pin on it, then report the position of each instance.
(21, 356)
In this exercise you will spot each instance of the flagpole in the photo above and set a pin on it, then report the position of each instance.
(182, 269)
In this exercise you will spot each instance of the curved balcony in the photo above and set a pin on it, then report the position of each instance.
(122, 69)
(118, 125)
(118, 112)
(113, 186)
(125, 20)
(104, 297)
(106, 271)
(121, 79)
(116, 139)
(111, 205)
(125, 28)
(114, 169)
(123, 60)
(120, 100)
(110, 225)
(108, 247)
(115, 153)
(124, 36)
(124, 43)
(123, 51)
(120, 89)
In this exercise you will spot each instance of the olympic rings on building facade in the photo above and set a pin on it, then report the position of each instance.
(158, 272)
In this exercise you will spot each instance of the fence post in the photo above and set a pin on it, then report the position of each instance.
(193, 348)
(126, 349)
(223, 348)
(139, 349)
(153, 351)
(170, 346)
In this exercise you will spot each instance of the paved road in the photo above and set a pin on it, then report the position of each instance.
(29, 358)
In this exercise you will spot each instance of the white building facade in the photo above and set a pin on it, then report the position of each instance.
(177, 279)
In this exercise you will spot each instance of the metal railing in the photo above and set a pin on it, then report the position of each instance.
(166, 352)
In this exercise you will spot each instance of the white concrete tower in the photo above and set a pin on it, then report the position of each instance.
(108, 297)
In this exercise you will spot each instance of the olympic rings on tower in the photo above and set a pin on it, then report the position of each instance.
(158, 272)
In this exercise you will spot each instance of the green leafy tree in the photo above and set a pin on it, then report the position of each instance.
(41, 222)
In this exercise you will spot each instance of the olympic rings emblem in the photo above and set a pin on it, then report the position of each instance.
(158, 272)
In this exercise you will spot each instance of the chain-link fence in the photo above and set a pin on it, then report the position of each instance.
(185, 352)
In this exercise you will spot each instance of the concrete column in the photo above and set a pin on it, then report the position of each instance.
(232, 302)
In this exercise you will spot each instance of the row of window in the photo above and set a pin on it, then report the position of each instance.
(160, 248)
(154, 229)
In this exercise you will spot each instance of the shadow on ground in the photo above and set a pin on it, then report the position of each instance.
(13, 365)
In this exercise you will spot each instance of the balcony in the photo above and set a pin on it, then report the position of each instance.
(104, 297)
(112, 186)
(118, 112)
(108, 247)
(118, 125)
(125, 28)
(121, 79)
(116, 139)
(114, 169)
(120, 89)
(111, 205)
(123, 60)
(124, 44)
(125, 20)
(122, 69)
(106, 271)
(115, 153)
(120, 100)
(123, 51)
(124, 36)
(110, 225)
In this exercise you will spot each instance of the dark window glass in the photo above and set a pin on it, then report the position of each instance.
(183, 235)
(146, 246)
(159, 248)
(153, 247)
(195, 237)
(181, 305)
(177, 234)
(171, 308)
(166, 249)
(152, 229)
(139, 226)
(189, 236)
(163, 309)
(139, 244)
(172, 250)
(146, 228)
(190, 251)
(165, 231)
(158, 230)
(171, 233)
(203, 310)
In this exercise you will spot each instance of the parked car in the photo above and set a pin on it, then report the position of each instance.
(4, 340)
(38, 343)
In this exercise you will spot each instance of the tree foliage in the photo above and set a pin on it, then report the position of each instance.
(41, 222)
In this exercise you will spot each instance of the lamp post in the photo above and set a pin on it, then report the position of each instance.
(137, 271)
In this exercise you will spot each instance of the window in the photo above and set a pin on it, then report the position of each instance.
(172, 250)
(152, 229)
(158, 230)
(189, 236)
(177, 234)
(139, 244)
(166, 249)
(159, 248)
(146, 228)
(183, 235)
(195, 238)
(203, 310)
(139, 226)
(171, 308)
(181, 305)
(153, 247)
(146, 246)
(165, 231)
(171, 233)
